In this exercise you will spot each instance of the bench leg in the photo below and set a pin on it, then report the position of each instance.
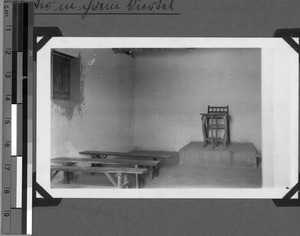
(53, 174)
(120, 181)
(125, 181)
(111, 179)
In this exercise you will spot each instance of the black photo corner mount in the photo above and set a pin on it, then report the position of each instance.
(47, 200)
(46, 33)
(288, 35)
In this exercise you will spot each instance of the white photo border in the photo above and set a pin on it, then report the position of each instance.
(280, 156)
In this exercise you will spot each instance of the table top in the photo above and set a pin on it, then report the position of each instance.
(128, 154)
(105, 161)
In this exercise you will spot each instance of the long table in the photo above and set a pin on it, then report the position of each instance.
(106, 161)
(137, 154)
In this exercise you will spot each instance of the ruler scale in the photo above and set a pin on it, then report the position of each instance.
(16, 176)
(6, 130)
(16, 141)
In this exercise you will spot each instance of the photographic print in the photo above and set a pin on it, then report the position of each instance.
(162, 117)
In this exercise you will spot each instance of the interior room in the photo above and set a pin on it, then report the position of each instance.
(152, 105)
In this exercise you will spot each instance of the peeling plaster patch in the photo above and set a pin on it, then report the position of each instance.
(66, 108)
(57, 109)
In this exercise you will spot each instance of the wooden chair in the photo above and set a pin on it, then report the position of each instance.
(216, 118)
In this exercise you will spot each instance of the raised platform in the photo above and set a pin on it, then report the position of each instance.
(237, 154)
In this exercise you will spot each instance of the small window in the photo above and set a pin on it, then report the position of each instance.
(65, 76)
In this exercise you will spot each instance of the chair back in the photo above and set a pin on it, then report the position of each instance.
(215, 109)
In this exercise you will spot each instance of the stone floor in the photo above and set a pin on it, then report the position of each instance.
(198, 176)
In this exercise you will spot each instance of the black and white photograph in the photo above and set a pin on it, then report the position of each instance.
(183, 116)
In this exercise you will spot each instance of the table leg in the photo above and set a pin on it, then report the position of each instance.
(151, 172)
(156, 169)
(94, 164)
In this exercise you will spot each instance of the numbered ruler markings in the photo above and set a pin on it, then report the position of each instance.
(6, 131)
(18, 219)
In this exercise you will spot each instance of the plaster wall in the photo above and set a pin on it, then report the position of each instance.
(100, 117)
(173, 88)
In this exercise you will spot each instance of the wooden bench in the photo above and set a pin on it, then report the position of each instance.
(151, 165)
(120, 172)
